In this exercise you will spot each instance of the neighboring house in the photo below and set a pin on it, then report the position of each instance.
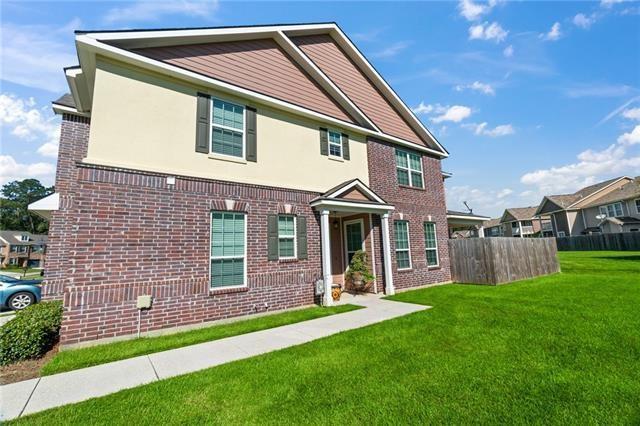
(227, 171)
(465, 224)
(614, 200)
(493, 228)
(23, 249)
(522, 222)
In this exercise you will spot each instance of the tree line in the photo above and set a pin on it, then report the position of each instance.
(14, 202)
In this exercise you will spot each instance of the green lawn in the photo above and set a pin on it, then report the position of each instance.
(94, 355)
(562, 349)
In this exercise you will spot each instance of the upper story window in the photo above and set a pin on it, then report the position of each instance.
(409, 167)
(335, 144)
(612, 210)
(24, 237)
(638, 206)
(227, 129)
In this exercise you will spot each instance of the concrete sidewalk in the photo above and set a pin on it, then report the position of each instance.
(35, 395)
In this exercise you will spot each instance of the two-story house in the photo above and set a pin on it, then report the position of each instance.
(522, 222)
(608, 206)
(22, 249)
(229, 171)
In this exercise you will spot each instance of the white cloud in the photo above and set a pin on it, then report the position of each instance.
(486, 31)
(478, 87)
(583, 21)
(482, 129)
(34, 55)
(632, 114)
(610, 3)
(392, 50)
(484, 201)
(456, 114)
(504, 193)
(422, 108)
(554, 33)
(11, 170)
(591, 166)
(597, 90)
(473, 11)
(508, 51)
(146, 10)
(28, 123)
(630, 138)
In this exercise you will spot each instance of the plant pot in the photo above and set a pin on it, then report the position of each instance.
(336, 292)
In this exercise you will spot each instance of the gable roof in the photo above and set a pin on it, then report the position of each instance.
(629, 190)
(136, 47)
(492, 222)
(566, 201)
(344, 188)
(519, 213)
(13, 238)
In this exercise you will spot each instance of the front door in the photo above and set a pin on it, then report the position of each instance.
(353, 238)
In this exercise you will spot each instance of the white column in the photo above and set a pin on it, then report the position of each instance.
(326, 257)
(386, 248)
(520, 226)
(481, 232)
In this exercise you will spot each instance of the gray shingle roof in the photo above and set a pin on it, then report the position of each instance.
(66, 100)
(565, 200)
(627, 191)
(13, 238)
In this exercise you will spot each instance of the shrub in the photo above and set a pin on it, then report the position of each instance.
(31, 333)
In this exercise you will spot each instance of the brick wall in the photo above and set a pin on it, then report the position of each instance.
(414, 205)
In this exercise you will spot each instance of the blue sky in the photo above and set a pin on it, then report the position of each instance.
(530, 98)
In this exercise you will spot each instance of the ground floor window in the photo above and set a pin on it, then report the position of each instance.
(228, 255)
(286, 237)
(431, 243)
(403, 251)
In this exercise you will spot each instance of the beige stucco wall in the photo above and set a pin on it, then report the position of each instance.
(148, 122)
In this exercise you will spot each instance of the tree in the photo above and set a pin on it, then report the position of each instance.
(16, 197)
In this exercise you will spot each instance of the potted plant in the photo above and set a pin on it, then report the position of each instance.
(358, 275)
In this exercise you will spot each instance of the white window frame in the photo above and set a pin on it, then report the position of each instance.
(561, 234)
(212, 257)
(409, 169)
(339, 144)
(426, 249)
(408, 249)
(637, 205)
(344, 235)
(605, 209)
(293, 237)
(231, 129)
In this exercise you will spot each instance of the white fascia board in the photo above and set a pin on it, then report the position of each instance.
(337, 205)
(71, 76)
(64, 109)
(377, 79)
(89, 47)
(362, 187)
(321, 78)
(599, 190)
(478, 218)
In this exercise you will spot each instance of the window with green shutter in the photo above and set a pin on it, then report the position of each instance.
(431, 243)
(228, 255)
(335, 144)
(286, 237)
(403, 249)
(227, 129)
(409, 167)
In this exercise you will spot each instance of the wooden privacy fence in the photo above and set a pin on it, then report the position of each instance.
(624, 241)
(500, 260)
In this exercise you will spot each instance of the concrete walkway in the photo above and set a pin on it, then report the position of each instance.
(31, 396)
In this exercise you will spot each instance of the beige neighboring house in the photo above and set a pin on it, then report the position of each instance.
(522, 222)
(22, 248)
(610, 206)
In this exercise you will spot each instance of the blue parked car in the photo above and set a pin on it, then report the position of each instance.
(17, 294)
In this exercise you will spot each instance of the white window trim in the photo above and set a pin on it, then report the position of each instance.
(606, 209)
(561, 234)
(409, 169)
(329, 143)
(637, 203)
(344, 239)
(294, 237)
(244, 254)
(232, 129)
(408, 249)
(435, 235)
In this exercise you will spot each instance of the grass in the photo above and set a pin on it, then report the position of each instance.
(561, 349)
(94, 355)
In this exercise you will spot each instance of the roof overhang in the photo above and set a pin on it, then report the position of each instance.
(116, 45)
(45, 206)
(452, 218)
(341, 205)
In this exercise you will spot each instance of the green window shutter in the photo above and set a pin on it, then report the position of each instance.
(272, 237)
(345, 146)
(250, 129)
(203, 117)
(324, 142)
(302, 237)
